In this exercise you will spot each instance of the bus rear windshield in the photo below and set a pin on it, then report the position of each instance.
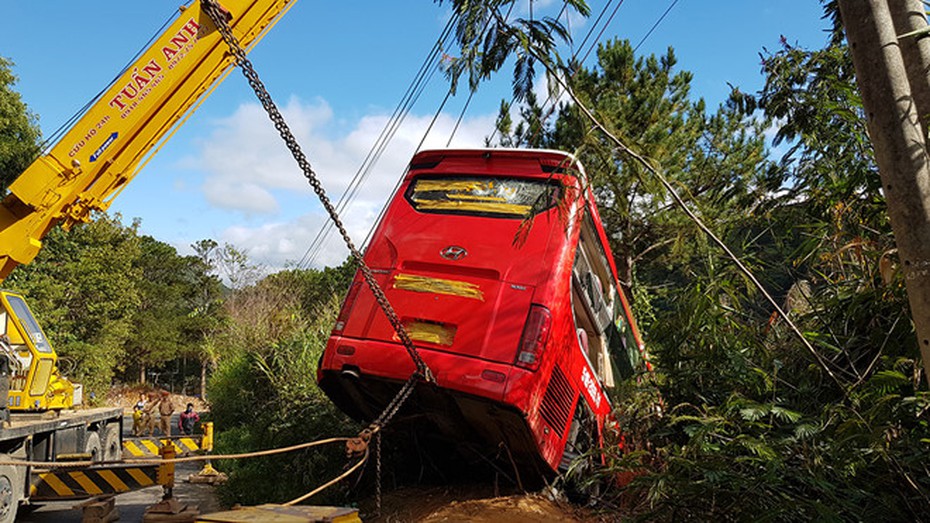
(484, 196)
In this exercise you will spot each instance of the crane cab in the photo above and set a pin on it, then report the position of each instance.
(28, 363)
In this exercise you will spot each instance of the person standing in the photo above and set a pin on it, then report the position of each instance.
(165, 410)
(148, 416)
(137, 416)
(188, 420)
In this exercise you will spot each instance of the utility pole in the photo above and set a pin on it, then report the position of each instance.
(898, 140)
(910, 18)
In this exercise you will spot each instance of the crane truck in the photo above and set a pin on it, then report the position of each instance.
(40, 409)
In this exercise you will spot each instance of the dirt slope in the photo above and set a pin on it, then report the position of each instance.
(126, 397)
(470, 504)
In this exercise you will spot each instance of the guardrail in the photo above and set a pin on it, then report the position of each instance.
(150, 447)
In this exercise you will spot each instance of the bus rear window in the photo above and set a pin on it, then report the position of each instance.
(483, 196)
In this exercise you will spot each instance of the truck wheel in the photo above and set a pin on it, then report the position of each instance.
(92, 445)
(112, 446)
(10, 492)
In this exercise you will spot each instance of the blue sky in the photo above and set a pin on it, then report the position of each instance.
(337, 69)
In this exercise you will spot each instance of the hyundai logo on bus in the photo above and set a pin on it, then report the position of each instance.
(453, 252)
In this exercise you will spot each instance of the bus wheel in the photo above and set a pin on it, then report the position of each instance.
(10, 490)
(580, 480)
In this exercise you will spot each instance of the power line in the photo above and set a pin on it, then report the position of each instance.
(417, 87)
(655, 25)
(414, 90)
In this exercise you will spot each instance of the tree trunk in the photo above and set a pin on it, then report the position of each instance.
(142, 373)
(203, 379)
(625, 274)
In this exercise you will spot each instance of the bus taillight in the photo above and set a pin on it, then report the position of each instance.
(534, 338)
(347, 307)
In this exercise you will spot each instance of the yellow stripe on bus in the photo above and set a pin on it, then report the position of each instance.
(412, 282)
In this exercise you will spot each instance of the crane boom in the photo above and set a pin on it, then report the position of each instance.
(104, 149)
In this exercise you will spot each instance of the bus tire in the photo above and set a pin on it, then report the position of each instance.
(112, 446)
(92, 445)
(11, 490)
(580, 482)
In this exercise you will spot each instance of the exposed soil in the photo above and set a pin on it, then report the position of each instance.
(125, 397)
(470, 504)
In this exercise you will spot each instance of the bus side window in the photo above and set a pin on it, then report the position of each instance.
(593, 302)
(624, 351)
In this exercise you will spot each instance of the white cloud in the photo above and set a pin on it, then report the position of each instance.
(241, 195)
(249, 170)
(244, 158)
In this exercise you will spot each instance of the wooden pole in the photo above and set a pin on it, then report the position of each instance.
(899, 145)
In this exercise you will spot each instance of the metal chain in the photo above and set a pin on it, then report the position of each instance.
(219, 17)
(378, 474)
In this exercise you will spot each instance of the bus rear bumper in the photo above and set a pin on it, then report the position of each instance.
(463, 407)
(390, 361)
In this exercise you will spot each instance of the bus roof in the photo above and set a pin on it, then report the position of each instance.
(555, 157)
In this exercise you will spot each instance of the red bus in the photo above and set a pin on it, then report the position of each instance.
(497, 264)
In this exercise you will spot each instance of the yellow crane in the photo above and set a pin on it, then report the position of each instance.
(95, 159)
(110, 143)
(82, 172)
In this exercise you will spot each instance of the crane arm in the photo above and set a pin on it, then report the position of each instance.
(95, 159)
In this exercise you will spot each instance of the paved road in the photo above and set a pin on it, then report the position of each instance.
(132, 505)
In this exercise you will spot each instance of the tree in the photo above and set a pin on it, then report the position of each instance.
(166, 328)
(845, 250)
(235, 266)
(84, 289)
(207, 307)
(487, 38)
(19, 131)
(747, 413)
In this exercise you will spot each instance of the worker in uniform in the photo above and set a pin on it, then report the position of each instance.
(148, 416)
(165, 410)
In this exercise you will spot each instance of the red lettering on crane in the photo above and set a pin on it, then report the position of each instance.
(151, 69)
(137, 81)
(180, 38)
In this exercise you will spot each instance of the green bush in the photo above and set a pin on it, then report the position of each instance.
(266, 397)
